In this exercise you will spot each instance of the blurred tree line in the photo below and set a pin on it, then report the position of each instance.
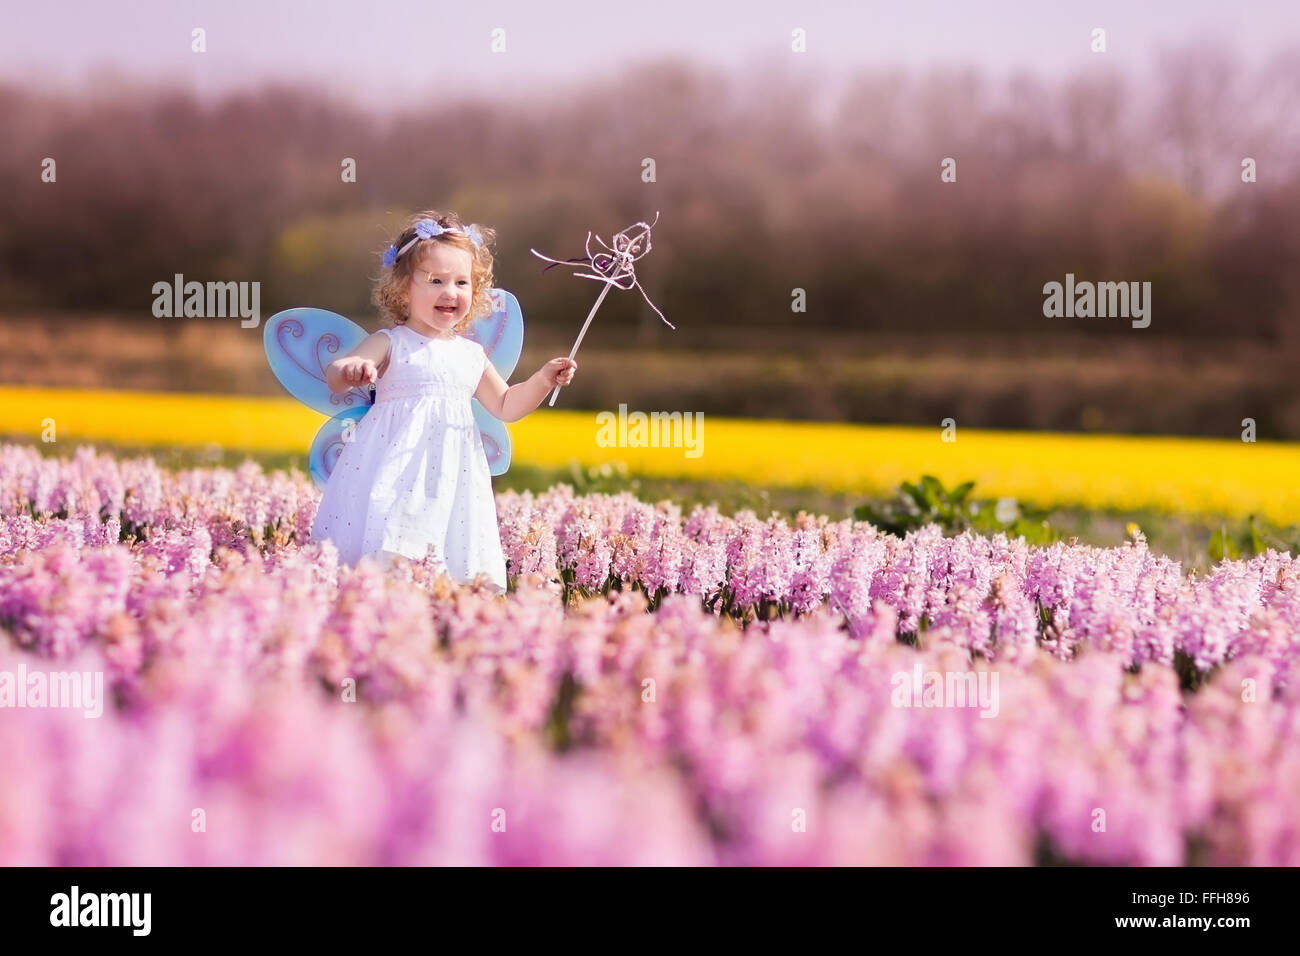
(759, 193)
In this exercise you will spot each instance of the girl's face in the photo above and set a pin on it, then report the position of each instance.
(441, 291)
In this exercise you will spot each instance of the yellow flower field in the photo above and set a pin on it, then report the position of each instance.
(1193, 476)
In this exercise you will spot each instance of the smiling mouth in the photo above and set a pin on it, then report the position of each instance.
(446, 309)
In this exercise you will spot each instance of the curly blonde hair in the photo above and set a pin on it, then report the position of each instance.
(391, 292)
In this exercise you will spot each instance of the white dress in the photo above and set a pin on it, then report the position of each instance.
(415, 474)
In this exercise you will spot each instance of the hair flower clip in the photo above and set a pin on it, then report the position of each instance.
(428, 229)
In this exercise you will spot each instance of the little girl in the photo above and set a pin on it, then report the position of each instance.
(415, 476)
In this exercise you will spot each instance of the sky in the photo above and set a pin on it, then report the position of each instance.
(376, 54)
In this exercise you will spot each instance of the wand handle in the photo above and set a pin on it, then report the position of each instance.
(590, 315)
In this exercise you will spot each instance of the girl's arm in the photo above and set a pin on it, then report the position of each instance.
(356, 367)
(512, 402)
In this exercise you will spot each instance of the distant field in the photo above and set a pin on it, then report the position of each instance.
(1131, 384)
(1190, 477)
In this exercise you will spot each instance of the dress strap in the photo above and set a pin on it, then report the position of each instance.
(394, 346)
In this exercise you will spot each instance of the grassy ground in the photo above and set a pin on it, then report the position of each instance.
(1182, 538)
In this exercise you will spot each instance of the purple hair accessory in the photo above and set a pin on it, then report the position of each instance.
(428, 229)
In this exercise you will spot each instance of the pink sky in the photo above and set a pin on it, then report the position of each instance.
(346, 48)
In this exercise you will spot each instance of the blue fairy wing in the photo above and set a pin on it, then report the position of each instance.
(496, 440)
(502, 336)
(329, 441)
(502, 333)
(300, 343)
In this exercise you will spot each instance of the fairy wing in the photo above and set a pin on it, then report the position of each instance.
(300, 343)
(496, 440)
(329, 441)
(502, 333)
(502, 336)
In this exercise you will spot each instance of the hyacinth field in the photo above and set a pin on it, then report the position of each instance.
(656, 688)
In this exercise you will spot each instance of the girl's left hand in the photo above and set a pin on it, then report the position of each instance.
(559, 371)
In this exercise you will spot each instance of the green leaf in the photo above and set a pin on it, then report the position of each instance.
(1222, 546)
(961, 491)
(1257, 545)
(922, 500)
(926, 502)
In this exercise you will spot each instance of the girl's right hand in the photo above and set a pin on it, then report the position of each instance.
(357, 371)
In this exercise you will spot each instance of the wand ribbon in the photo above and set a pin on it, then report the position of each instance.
(614, 267)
